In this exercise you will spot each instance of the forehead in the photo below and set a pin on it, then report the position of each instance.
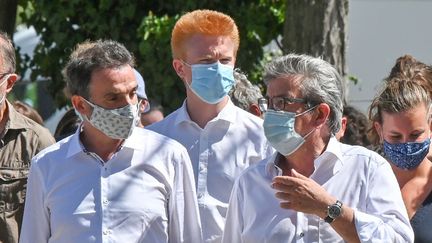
(115, 80)
(286, 86)
(408, 120)
(200, 45)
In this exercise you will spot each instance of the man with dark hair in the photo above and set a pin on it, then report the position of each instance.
(111, 181)
(20, 139)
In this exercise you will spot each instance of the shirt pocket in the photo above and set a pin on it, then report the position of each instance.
(13, 185)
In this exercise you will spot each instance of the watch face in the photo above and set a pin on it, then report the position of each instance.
(334, 211)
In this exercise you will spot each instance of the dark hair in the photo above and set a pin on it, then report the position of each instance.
(67, 125)
(89, 57)
(356, 127)
(7, 54)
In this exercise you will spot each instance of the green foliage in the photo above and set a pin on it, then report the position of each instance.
(145, 29)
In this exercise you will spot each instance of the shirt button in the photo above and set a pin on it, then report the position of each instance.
(105, 232)
(105, 202)
(301, 234)
(200, 195)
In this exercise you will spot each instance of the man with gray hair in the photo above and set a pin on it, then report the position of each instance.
(244, 94)
(313, 189)
(111, 181)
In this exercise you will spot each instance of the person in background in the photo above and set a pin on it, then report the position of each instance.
(153, 115)
(111, 181)
(67, 125)
(28, 111)
(245, 95)
(150, 110)
(222, 139)
(401, 116)
(314, 188)
(354, 127)
(20, 139)
(409, 68)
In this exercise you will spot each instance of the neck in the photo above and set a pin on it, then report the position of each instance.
(404, 176)
(415, 185)
(200, 112)
(303, 159)
(97, 142)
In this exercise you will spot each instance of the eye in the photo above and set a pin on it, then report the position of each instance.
(225, 60)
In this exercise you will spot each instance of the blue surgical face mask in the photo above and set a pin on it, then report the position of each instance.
(279, 131)
(406, 156)
(211, 82)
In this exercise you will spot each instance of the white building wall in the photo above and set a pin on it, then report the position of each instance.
(379, 32)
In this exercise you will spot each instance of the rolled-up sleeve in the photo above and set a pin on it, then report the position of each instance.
(385, 219)
(36, 223)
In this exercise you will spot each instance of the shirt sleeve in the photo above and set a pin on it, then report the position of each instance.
(185, 223)
(386, 218)
(234, 220)
(36, 224)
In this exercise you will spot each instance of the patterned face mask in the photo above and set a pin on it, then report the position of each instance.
(406, 156)
(115, 123)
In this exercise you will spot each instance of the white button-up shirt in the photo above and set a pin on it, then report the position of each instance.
(219, 153)
(144, 193)
(359, 178)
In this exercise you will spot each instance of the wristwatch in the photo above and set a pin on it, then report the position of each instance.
(333, 211)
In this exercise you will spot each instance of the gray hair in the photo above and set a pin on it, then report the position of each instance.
(7, 54)
(320, 83)
(92, 56)
(244, 93)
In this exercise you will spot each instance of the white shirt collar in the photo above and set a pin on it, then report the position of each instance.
(332, 156)
(227, 113)
(76, 146)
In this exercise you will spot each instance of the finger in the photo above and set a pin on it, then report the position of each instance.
(287, 180)
(295, 174)
(282, 187)
(283, 196)
(286, 205)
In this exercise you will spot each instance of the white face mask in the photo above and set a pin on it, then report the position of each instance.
(3, 96)
(115, 123)
(279, 131)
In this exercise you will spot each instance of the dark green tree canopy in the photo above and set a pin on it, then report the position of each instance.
(145, 29)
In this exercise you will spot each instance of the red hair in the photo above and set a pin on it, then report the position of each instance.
(205, 22)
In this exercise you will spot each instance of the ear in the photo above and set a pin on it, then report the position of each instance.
(11, 82)
(378, 130)
(254, 109)
(322, 113)
(179, 68)
(143, 105)
(81, 106)
(341, 131)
